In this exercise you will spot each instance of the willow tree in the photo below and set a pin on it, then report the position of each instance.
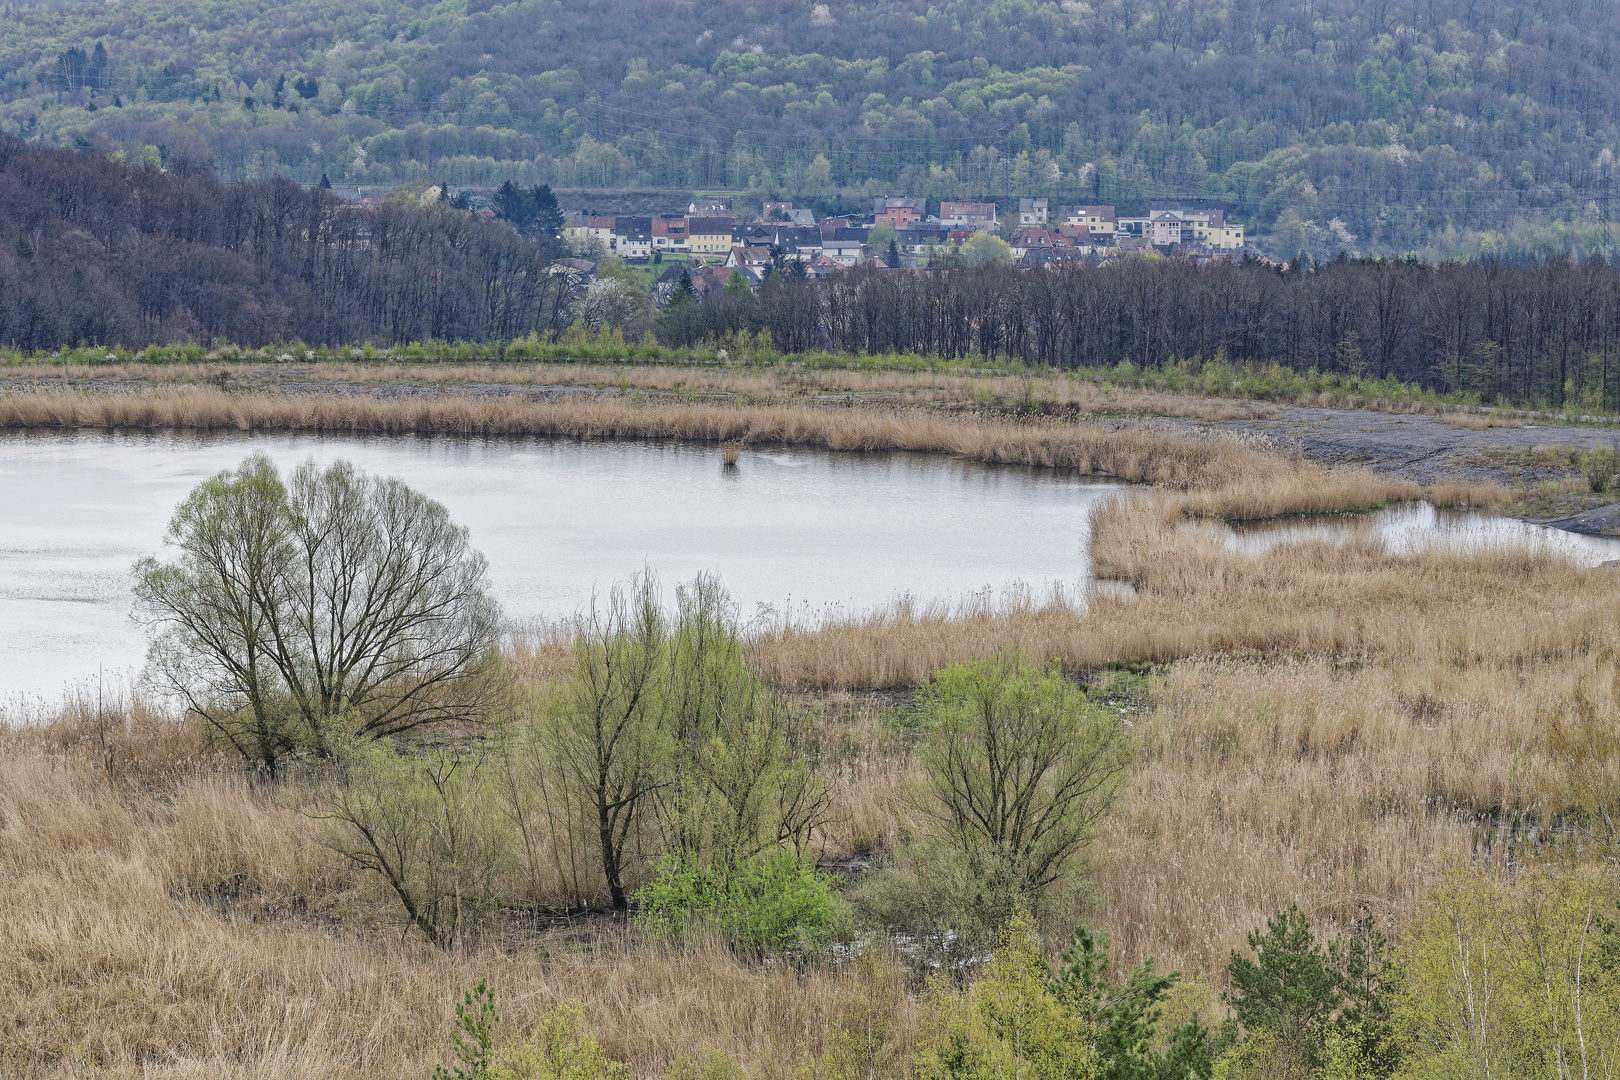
(296, 616)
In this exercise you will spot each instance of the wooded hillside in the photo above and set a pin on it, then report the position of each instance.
(1453, 126)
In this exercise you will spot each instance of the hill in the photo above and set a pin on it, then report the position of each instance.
(1391, 125)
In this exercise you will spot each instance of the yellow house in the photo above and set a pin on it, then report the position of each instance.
(1223, 237)
(709, 235)
(1099, 221)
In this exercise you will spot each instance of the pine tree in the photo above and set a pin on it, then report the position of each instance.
(326, 183)
(548, 216)
(893, 257)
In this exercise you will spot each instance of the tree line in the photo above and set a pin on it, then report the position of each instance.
(94, 251)
(1530, 331)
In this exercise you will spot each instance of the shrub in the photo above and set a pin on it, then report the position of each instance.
(1020, 767)
(561, 1050)
(773, 902)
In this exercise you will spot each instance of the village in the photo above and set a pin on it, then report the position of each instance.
(899, 233)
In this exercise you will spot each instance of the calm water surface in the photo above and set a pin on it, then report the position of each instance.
(800, 531)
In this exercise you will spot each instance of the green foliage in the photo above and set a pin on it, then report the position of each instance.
(984, 247)
(299, 615)
(665, 732)
(709, 1065)
(1020, 766)
(1307, 996)
(1022, 1019)
(474, 1036)
(421, 819)
(770, 902)
(1512, 978)
(562, 1049)
(1007, 1023)
(1123, 1019)
(862, 1040)
(941, 99)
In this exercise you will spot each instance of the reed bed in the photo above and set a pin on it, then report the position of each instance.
(1042, 392)
(1136, 455)
(110, 967)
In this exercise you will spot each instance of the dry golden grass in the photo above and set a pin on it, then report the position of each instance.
(1474, 421)
(1043, 392)
(111, 965)
(1138, 455)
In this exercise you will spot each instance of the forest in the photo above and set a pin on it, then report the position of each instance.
(1451, 127)
(101, 253)
(104, 253)
(1544, 332)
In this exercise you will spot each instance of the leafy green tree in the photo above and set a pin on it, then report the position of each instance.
(419, 818)
(297, 616)
(985, 247)
(606, 725)
(1020, 766)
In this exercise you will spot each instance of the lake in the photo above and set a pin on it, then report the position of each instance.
(788, 531)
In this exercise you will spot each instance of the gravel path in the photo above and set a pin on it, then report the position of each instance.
(1421, 448)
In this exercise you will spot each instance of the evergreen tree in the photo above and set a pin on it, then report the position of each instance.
(326, 184)
(548, 216)
(893, 257)
(513, 204)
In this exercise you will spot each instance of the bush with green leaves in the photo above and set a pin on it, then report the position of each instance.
(1023, 1019)
(561, 1049)
(421, 819)
(771, 902)
(1020, 766)
(1311, 1001)
(670, 742)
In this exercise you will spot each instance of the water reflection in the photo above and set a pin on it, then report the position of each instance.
(1408, 526)
(799, 531)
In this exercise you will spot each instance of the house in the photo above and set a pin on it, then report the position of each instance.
(633, 237)
(972, 216)
(830, 225)
(1031, 212)
(919, 245)
(820, 268)
(669, 234)
(1097, 221)
(1138, 227)
(897, 217)
(756, 257)
(882, 204)
(708, 235)
(1164, 229)
(845, 247)
(716, 206)
(1203, 223)
(1026, 240)
(581, 230)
